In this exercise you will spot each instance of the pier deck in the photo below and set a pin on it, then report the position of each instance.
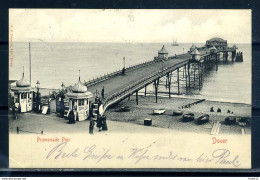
(118, 86)
(119, 82)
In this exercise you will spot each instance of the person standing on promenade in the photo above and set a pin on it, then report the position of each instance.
(103, 92)
(16, 110)
(91, 126)
(123, 71)
(71, 117)
(99, 123)
(91, 111)
(104, 123)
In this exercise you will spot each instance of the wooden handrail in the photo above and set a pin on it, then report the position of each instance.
(125, 92)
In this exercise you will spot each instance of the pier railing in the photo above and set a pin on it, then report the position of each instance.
(118, 72)
(131, 89)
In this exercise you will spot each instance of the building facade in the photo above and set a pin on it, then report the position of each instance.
(219, 43)
(79, 100)
(23, 95)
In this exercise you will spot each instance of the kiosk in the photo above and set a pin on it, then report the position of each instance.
(79, 101)
(23, 95)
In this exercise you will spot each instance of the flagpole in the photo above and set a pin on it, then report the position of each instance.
(30, 63)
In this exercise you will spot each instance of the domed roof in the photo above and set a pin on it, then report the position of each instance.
(195, 52)
(22, 82)
(163, 51)
(79, 88)
(192, 47)
(217, 39)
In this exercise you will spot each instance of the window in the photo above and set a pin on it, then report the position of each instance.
(23, 95)
(81, 102)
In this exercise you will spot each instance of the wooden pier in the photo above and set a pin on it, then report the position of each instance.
(121, 84)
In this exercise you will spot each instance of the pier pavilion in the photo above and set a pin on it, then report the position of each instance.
(79, 100)
(23, 95)
(163, 54)
(219, 43)
(195, 55)
(192, 48)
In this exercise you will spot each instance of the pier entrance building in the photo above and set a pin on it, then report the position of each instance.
(23, 95)
(79, 100)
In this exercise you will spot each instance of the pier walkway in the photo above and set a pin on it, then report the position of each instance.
(121, 86)
(118, 86)
(119, 82)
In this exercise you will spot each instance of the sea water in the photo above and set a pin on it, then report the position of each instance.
(54, 63)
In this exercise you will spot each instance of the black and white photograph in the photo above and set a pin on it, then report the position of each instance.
(133, 88)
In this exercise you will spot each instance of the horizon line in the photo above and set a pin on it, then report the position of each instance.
(122, 42)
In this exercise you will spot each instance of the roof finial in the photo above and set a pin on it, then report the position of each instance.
(79, 74)
(23, 71)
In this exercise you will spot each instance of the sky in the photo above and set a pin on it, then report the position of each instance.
(131, 26)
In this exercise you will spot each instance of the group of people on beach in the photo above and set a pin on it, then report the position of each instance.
(219, 110)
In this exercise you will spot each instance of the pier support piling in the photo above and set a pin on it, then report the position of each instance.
(226, 56)
(233, 55)
(178, 80)
(216, 62)
(136, 94)
(186, 80)
(200, 75)
(156, 83)
(169, 77)
(194, 75)
(189, 73)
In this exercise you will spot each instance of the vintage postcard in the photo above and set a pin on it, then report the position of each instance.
(129, 88)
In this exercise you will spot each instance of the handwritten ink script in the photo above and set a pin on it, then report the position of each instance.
(137, 155)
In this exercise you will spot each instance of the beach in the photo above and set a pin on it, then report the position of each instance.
(133, 120)
(146, 105)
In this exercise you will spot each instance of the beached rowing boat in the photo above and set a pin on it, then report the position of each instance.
(159, 111)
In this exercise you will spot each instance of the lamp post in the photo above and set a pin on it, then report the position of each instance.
(62, 86)
(123, 70)
(123, 62)
(61, 100)
(38, 85)
(62, 91)
(37, 108)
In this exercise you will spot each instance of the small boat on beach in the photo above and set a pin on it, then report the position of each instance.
(159, 111)
(123, 109)
(188, 117)
(203, 119)
(230, 120)
(243, 121)
(177, 113)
